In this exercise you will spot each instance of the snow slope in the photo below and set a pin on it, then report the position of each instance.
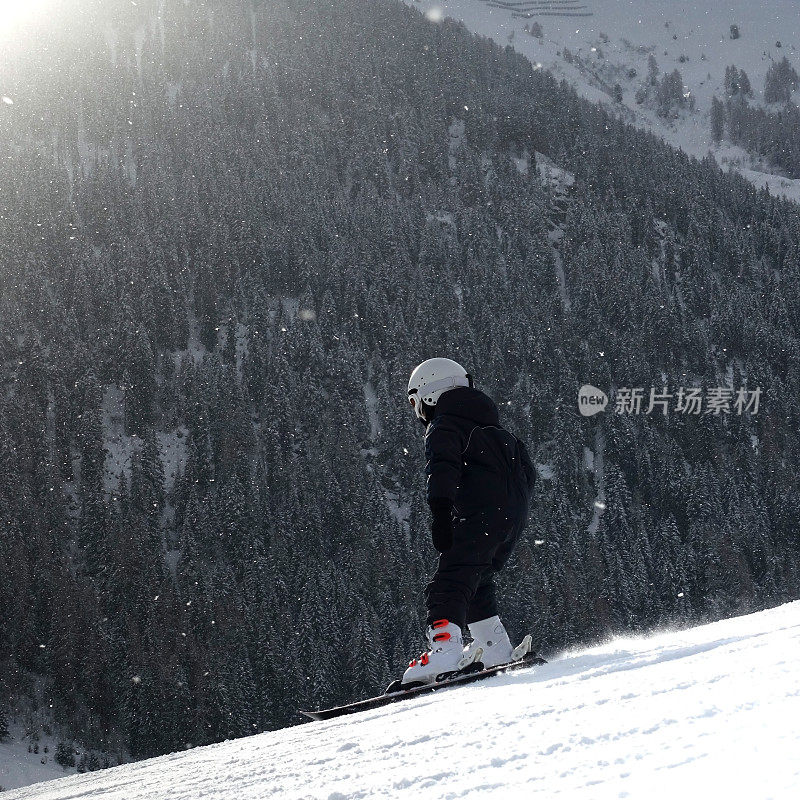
(18, 767)
(709, 712)
(693, 37)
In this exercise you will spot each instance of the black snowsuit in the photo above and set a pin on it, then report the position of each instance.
(488, 476)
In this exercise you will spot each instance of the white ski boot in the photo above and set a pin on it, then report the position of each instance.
(490, 636)
(445, 654)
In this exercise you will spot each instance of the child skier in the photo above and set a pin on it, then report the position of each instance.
(479, 483)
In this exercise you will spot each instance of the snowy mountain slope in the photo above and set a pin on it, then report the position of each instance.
(619, 36)
(707, 712)
(18, 767)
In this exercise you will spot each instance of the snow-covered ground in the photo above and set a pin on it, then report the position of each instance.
(708, 712)
(18, 767)
(619, 35)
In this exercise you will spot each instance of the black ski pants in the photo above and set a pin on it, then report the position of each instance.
(462, 588)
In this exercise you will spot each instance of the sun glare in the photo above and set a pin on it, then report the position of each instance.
(15, 13)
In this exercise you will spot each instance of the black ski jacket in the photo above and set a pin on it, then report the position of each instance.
(471, 459)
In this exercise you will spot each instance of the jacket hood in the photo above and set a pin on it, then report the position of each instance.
(471, 404)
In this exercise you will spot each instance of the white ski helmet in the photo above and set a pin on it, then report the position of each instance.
(431, 379)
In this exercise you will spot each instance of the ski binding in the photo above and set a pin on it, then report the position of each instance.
(470, 669)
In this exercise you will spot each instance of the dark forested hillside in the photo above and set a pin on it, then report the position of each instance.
(228, 232)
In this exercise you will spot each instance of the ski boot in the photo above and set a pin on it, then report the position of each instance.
(444, 656)
(491, 637)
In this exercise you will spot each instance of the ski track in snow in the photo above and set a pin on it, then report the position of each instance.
(707, 712)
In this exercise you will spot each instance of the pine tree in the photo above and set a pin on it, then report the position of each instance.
(652, 70)
(670, 94)
(200, 462)
(717, 120)
(64, 755)
(138, 380)
(781, 81)
(5, 733)
(733, 82)
(745, 88)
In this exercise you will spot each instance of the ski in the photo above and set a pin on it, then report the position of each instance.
(529, 659)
